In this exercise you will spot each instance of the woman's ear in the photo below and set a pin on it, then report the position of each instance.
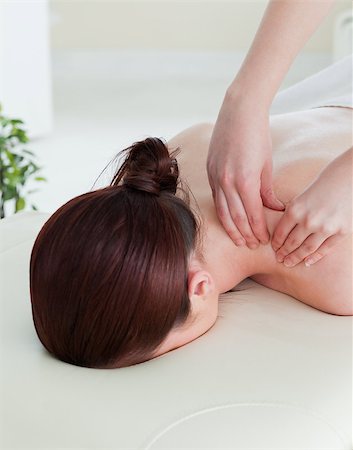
(200, 284)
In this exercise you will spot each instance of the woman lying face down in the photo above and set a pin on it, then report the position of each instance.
(126, 273)
(113, 271)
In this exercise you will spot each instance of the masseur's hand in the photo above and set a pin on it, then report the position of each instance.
(239, 168)
(315, 221)
(239, 160)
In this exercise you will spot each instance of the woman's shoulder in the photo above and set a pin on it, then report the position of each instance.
(193, 143)
(327, 284)
(321, 288)
(199, 133)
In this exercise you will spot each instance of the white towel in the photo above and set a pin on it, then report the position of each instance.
(331, 86)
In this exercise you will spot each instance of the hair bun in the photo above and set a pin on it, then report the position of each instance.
(149, 167)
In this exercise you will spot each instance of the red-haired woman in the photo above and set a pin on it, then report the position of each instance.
(128, 272)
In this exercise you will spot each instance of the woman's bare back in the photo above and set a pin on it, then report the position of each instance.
(303, 144)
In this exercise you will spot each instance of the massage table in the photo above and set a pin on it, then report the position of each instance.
(272, 373)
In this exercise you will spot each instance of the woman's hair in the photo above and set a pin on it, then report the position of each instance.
(108, 270)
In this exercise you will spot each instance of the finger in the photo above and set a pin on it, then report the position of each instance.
(283, 228)
(252, 203)
(308, 247)
(295, 239)
(225, 217)
(323, 250)
(240, 219)
(267, 193)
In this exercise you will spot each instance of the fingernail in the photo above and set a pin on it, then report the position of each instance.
(266, 240)
(288, 263)
(240, 242)
(280, 258)
(308, 262)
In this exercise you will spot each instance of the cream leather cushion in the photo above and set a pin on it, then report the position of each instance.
(272, 373)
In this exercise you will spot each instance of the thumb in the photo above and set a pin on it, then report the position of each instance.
(268, 196)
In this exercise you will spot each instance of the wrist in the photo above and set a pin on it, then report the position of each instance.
(242, 94)
(240, 100)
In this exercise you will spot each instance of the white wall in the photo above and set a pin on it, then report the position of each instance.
(25, 84)
(169, 25)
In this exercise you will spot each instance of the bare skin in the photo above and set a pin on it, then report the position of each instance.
(240, 140)
(304, 143)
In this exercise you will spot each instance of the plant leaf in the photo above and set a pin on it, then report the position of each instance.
(5, 121)
(16, 121)
(13, 179)
(34, 166)
(20, 204)
(11, 156)
(9, 193)
(23, 169)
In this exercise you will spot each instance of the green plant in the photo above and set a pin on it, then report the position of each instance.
(17, 164)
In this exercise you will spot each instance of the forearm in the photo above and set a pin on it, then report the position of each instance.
(285, 28)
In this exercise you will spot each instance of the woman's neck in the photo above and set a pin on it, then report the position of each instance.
(229, 264)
